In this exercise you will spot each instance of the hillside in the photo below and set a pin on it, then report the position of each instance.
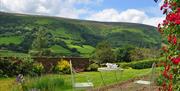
(70, 36)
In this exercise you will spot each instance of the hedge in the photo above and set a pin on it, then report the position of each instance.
(140, 64)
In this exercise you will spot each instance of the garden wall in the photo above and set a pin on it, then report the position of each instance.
(78, 64)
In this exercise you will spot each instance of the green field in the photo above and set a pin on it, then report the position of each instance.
(94, 77)
(59, 49)
(11, 39)
(6, 53)
(83, 49)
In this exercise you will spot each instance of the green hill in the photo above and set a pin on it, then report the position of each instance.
(70, 36)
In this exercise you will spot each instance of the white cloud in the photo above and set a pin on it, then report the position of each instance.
(63, 8)
(154, 21)
(129, 15)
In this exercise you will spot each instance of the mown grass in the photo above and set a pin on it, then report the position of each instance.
(94, 77)
(11, 39)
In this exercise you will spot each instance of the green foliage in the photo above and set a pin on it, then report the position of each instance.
(46, 52)
(104, 53)
(159, 80)
(123, 54)
(43, 52)
(130, 53)
(169, 30)
(41, 41)
(1, 73)
(14, 66)
(143, 53)
(28, 36)
(38, 68)
(93, 67)
(139, 64)
(75, 54)
(62, 66)
(133, 37)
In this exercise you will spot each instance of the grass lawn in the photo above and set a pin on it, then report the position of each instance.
(81, 77)
(109, 77)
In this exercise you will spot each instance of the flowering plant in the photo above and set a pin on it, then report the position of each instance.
(62, 66)
(170, 30)
(38, 68)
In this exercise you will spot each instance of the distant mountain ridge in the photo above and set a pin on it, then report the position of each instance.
(70, 36)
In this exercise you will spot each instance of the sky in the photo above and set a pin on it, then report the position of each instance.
(134, 11)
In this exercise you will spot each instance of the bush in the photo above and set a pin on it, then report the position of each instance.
(139, 64)
(38, 68)
(13, 66)
(25, 65)
(1, 73)
(123, 54)
(62, 66)
(143, 53)
(93, 67)
(103, 53)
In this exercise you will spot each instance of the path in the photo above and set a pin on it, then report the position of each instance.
(128, 86)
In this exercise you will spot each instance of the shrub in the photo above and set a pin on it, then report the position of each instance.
(1, 73)
(159, 80)
(38, 68)
(103, 53)
(123, 54)
(62, 66)
(139, 64)
(25, 65)
(13, 66)
(143, 53)
(93, 67)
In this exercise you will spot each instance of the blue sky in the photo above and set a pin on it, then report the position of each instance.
(136, 11)
(130, 4)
